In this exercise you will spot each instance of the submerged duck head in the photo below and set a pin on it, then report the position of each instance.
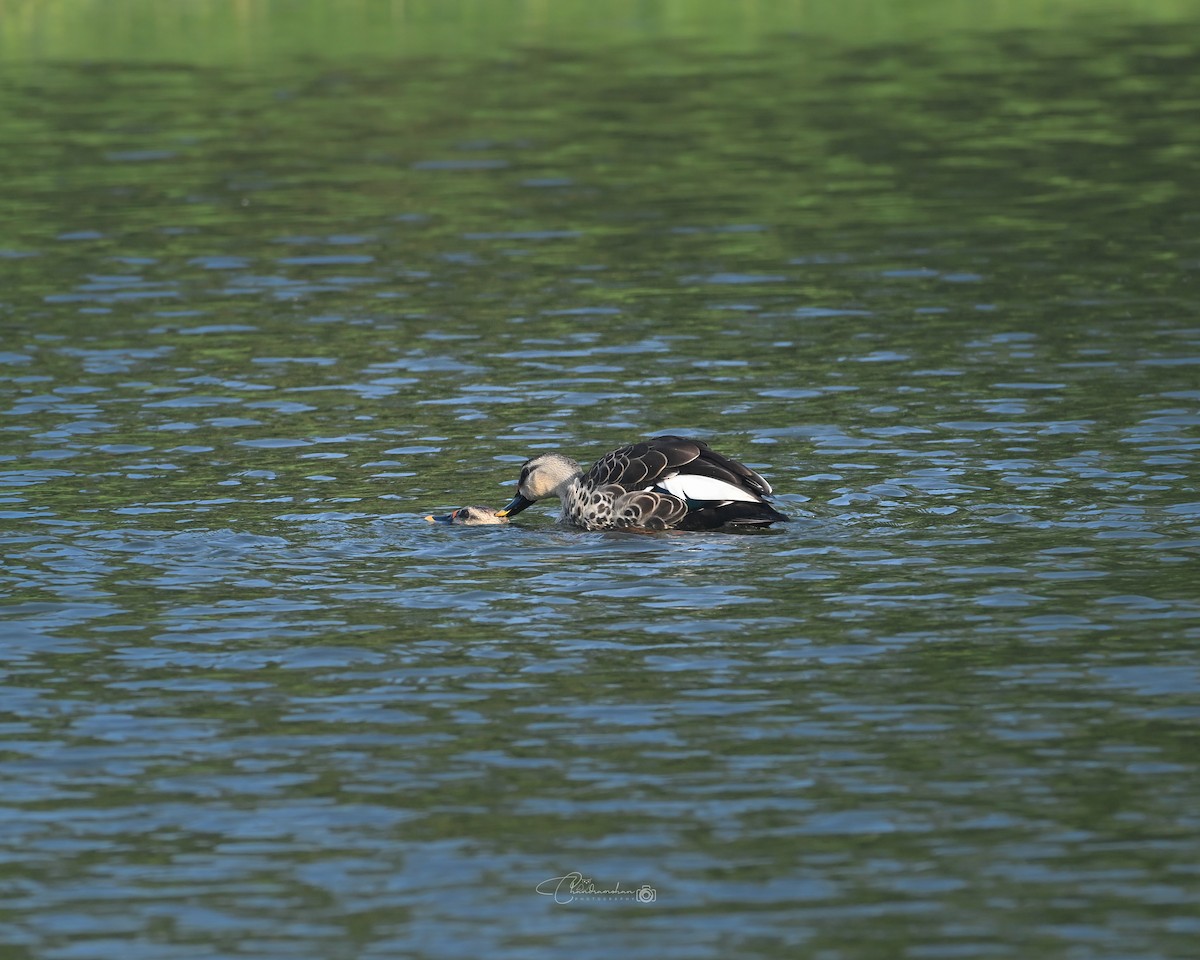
(543, 476)
(470, 516)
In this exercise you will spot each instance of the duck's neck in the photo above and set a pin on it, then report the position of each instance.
(566, 485)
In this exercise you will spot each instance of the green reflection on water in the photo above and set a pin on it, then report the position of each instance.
(217, 32)
(704, 201)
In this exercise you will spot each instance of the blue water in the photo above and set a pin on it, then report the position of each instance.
(256, 325)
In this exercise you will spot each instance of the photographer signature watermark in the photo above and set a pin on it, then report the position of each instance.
(575, 886)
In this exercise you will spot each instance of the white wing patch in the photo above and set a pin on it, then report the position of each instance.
(688, 486)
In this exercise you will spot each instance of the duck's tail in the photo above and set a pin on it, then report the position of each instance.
(743, 513)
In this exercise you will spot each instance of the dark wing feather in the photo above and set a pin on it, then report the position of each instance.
(609, 468)
(719, 467)
(638, 466)
(643, 464)
(736, 514)
(696, 457)
(679, 451)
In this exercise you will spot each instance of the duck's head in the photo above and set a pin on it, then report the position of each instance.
(545, 476)
(470, 516)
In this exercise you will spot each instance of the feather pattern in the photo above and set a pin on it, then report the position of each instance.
(657, 484)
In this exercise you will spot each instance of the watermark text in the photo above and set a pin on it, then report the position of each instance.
(575, 886)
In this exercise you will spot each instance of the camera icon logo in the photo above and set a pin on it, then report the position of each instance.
(646, 894)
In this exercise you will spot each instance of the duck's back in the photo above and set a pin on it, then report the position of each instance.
(675, 482)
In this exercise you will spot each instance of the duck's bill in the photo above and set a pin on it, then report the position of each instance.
(515, 506)
(444, 518)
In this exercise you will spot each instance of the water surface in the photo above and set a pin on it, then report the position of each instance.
(257, 321)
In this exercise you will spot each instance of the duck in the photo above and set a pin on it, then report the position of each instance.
(469, 516)
(663, 483)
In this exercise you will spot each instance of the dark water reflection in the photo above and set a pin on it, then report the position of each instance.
(255, 325)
